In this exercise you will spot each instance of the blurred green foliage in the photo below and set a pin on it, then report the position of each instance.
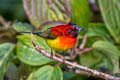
(6, 50)
(12, 10)
(26, 63)
(81, 13)
(110, 11)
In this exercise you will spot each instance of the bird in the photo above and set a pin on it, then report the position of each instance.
(61, 37)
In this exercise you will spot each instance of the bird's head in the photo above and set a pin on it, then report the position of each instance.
(75, 30)
(67, 30)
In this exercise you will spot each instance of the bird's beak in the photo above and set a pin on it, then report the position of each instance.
(81, 29)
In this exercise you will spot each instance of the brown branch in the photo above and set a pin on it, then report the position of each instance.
(79, 72)
(74, 65)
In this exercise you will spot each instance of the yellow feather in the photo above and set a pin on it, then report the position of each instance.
(53, 43)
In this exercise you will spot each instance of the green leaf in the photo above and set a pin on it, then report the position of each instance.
(22, 27)
(90, 59)
(12, 72)
(47, 73)
(5, 51)
(110, 10)
(42, 11)
(27, 53)
(80, 12)
(50, 26)
(110, 52)
(98, 30)
(79, 77)
(67, 75)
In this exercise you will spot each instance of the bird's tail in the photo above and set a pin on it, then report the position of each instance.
(36, 33)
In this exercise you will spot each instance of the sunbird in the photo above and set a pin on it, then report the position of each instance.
(61, 37)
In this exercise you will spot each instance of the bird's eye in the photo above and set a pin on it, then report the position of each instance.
(69, 31)
(75, 26)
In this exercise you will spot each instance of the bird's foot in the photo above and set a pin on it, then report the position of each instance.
(51, 57)
(63, 61)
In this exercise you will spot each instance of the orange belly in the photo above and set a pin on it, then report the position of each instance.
(61, 43)
(66, 42)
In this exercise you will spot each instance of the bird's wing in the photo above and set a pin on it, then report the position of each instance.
(46, 34)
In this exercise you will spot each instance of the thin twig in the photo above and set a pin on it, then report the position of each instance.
(84, 50)
(83, 42)
(74, 65)
(5, 24)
